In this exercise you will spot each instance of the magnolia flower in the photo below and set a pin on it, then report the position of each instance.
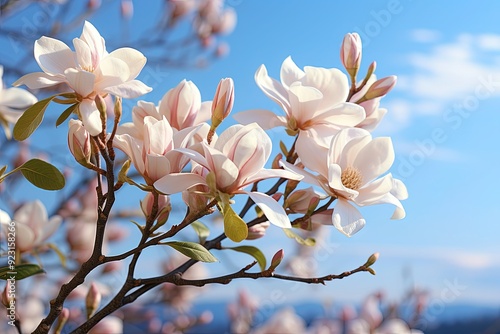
(180, 106)
(349, 170)
(374, 113)
(12, 102)
(33, 227)
(155, 157)
(313, 101)
(89, 70)
(79, 142)
(236, 160)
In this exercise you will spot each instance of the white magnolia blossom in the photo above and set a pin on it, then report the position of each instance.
(33, 226)
(89, 70)
(12, 102)
(350, 169)
(313, 99)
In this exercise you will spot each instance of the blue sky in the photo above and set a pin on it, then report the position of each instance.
(443, 118)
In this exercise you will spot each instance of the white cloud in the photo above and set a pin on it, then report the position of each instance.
(447, 74)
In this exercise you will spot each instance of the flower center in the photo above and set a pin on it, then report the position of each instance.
(351, 178)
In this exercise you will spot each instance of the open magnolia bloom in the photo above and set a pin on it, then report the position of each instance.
(350, 170)
(89, 70)
(12, 102)
(154, 156)
(235, 160)
(33, 227)
(314, 101)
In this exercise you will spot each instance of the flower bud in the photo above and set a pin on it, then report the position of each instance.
(350, 53)
(61, 320)
(372, 259)
(8, 294)
(93, 300)
(79, 142)
(380, 87)
(127, 9)
(276, 260)
(258, 231)
(164, 206)
(223, 101)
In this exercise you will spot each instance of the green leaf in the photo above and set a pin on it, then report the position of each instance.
(20, 271)
(31, 119)
(306, 242)
(253, 251)
(42, 174)
(201, 230)
(235, 228)
(283, 148)
(192, 250)
(66, 113)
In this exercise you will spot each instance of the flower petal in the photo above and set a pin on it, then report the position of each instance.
(96, 43)
(273, 211)
(272, 88)
(290, 72)
(273, 173)
(81, 81)
(91, 118)
(16, 98)
(178, 182)
(265, 118)
(346, 218)
(375, 158)
(331, 82)
(312, 155)
(39, 80)
(133, 58)
(129, 90)
(53, 56)
(83, 54)
(343, 114)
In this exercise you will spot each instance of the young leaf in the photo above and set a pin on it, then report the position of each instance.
(235, 228)
(31, 119)
(253, 251)
(192, 250)
(306, 242)
(20, 271)
(42, 174)
(66, 113)
(201, 230)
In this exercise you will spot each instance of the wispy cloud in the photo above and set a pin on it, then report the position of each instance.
(442, 75)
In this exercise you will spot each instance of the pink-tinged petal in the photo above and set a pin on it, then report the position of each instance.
(343, 115)
(83, 54)
(96, 43)
(204, 114)
(399, 211)
(111, 72)
(39, 80)
(195, 156)
(227, 138)
(331, 82)
(16, 98)
(133, 58)
(265, 118)
(132, 148)
(156, 166)
(129, 129)
(375, 158)
(290, 72)
(304, 101)
(178, 182)
(273, 210)
(272, 88)
(32, 214)
(225, 170)
(91, 118)
(346, 218)
(372, 192)
(251, 152)
(129, 90)
(307, 177)
(312, 155)
(53, 56)
(372, 121)
(323, 218)
(25, 238)
(157, 136)
(346, 144)
(273, 173)
(81, 81)
(49, 229)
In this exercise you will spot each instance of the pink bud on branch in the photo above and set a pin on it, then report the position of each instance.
(350, 53)
(380, 87)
